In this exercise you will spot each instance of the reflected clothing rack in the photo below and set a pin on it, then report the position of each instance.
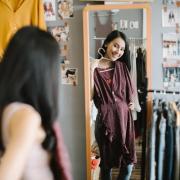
(163, 91)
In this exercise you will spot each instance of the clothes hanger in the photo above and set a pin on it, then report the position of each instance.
(174, 107)
(102, 57)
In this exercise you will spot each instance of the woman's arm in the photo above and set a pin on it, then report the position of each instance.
(23, 128)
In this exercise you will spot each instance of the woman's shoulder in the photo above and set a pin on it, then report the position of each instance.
(15, 106)
(94, 63)
(19, 119)
(18, 112)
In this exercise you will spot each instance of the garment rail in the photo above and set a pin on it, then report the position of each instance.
(163, 91)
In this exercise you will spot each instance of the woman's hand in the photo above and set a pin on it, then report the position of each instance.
(131, 106)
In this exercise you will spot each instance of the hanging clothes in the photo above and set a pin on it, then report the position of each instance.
(13, 17)
(177, 143)
(169, 147)
(142, 90)
(141, 69)
(164, 143)
(133, 74)
(114, 129)
(101, 30)
(152, 146)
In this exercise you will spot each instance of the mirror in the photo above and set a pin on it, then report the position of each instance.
(134, 21)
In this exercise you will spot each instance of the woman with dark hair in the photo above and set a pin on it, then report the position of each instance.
(29, 74)
(113, 94)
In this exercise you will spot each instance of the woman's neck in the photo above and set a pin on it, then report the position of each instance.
(104, 63)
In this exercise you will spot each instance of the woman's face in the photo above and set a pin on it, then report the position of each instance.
(115, 49)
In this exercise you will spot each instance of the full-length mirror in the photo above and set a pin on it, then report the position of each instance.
(117, 73)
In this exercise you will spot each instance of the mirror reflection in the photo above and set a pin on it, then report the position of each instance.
(118, 82)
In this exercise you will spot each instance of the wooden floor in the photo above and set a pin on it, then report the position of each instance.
(136, 174)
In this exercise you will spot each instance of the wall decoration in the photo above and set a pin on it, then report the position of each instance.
(177, 3)
(171, 74)
(49, 10)
(61, 34)
(123, 24)
(170, 16)
(65, 9)
(121, 1)
(169, 2)
(134, 24)
(69, 76)
(171, 46)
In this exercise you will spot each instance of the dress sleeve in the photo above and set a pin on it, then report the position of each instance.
(62, 154)
(130, 93)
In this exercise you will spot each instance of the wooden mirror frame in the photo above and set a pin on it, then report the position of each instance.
(86, 41)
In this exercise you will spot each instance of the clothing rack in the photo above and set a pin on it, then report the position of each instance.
(138, 41)
(105, 15)
(137, 38)
(98, 38)
(163, 91)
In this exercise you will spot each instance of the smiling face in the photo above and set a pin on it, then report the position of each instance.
(115, 49)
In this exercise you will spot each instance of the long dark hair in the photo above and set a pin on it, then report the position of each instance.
(29, 74)
(110, 37)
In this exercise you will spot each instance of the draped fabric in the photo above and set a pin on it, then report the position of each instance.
(26, 12)
(61, 154)
(114, 129)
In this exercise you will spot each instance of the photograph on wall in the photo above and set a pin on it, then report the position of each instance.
(64, 50)
(49, 10)
(170, 16)
(69, 76)
(65, 9)
(170, 2)
(171, 46)
(171, 74)
(178, 3)
(105, 1)
(61, 33)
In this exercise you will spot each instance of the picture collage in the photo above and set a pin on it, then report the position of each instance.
(60, 12)
(171, 44)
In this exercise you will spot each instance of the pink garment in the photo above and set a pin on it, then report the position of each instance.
(61, 154)
(37, 165)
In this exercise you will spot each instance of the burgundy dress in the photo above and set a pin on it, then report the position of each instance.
(114, 130)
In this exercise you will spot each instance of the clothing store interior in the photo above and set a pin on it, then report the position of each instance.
(130, 133)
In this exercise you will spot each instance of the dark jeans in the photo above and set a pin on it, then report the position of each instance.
(124, 173)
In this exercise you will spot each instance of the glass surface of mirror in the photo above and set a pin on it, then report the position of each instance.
(134, 21)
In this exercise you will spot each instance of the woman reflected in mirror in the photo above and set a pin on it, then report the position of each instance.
(112, 93)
